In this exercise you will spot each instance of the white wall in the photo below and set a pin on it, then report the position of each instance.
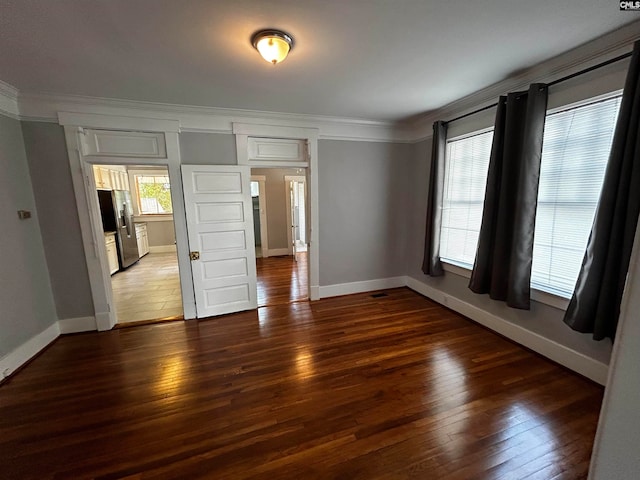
(26, 299)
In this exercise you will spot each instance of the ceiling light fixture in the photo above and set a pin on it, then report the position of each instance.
(273, 45)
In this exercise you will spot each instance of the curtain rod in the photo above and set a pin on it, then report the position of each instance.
(550, 84)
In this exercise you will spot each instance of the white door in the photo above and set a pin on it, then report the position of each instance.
(220, 230)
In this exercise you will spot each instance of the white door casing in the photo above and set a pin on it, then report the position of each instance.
(219, 216)
(262, 200)
(291, 183)
(89, 212)
(244, 131)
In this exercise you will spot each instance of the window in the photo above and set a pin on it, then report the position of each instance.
(575, 152)
(467, 162)
(154, 194)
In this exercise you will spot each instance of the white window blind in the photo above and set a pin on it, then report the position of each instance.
(575, 152)
(467, 162)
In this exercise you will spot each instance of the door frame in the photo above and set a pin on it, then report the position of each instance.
(243, 131)
(287, 179)
(89, 211)
(262, 203)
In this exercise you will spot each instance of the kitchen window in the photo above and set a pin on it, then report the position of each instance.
(153, 194)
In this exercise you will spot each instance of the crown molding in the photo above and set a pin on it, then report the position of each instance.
(588, 54)
(45, 108)
(9, 100)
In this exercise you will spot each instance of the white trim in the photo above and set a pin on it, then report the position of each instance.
(340, 289)
(582, 103)
(273, 131)
(163, 249)
(150, 218)
(311, 137)
(45, 107)
(287, 198)
(25, 352)
(9, 100)
(275, 252)
(314, 292)
(550, 299)
(475, 133)
(576, 361)
(91, 229)
(110, 122)
(76, 325)
(262, 205)
(89, 211)
(455, 269)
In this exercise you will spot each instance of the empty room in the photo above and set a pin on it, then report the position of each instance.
(338, 239)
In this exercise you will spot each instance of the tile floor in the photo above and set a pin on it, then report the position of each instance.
(148, 290)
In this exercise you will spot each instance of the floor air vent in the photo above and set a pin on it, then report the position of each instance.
(378, 295)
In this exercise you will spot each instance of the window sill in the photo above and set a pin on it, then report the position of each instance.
(536, 295)
(153, 218)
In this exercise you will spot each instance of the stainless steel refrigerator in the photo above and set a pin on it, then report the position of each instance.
(117, 216)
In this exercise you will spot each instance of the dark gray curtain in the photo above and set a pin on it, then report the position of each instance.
(595, 305)
(431, 264)
(502, 266)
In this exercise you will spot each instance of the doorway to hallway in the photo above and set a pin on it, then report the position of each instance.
(279, 197)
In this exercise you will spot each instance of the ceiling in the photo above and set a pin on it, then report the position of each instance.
(369, 59)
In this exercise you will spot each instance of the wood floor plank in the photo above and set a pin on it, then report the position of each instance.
(350, 387)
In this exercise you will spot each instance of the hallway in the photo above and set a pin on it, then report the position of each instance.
(282, 280)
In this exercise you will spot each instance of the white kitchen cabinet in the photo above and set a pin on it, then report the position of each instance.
(112, 252)
(110, 178)
(143, 239)
(103, 178)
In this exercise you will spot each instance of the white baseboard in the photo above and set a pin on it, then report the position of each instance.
(314, 292)
(359, 287)
(163, 249)
(277, 252)
(25, 352)
(76, 325)
(576, 361)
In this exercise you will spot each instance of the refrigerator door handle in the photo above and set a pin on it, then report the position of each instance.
(125, 219)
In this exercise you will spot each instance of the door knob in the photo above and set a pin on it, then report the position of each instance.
(194, 255)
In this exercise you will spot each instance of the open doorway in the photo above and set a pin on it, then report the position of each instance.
(280, 202)
(139, 232)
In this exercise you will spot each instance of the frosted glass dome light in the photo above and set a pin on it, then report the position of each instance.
(273, 45)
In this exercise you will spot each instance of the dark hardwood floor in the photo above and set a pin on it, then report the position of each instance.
(352, 387)
(282, 279)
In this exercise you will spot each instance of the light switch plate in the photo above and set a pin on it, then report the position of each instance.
(24, 214)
